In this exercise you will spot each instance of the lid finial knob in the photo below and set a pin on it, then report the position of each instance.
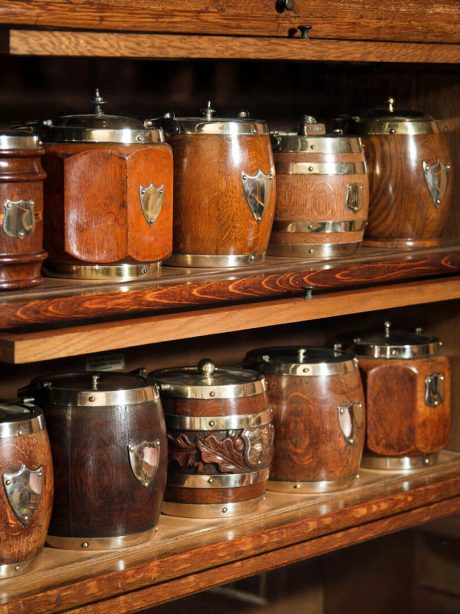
(97, 103)
(208, 111)
(206, 367)
(387, 325)
(391, 104)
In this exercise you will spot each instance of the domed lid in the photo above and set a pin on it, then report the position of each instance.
(20, 138)
(206, 381)
(300, 360)
(97, 127)
(17, 419)
(208, 124)
(389, 120)
(91, 389)
(396, 344)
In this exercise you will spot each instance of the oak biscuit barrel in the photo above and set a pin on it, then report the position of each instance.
(21, 209)
(108, 196)
(318, 414)
(224, 189)
(26, 495)
(410, 177)
(407, 383)
(220, 439)
(109, 447)
(322, 193)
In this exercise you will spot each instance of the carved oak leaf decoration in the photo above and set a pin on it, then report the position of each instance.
(181, 450)
(226, 453)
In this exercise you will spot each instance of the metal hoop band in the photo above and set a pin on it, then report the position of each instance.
(211, 510)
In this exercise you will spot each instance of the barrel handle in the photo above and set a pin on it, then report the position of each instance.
(350, 418)
(434, 389)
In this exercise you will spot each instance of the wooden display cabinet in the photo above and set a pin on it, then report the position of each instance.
(347, 65)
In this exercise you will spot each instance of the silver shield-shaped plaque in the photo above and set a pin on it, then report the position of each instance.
(144, 459)
(259, 445)
(346, 420)
(151, 199)
(23, 491)
(18, 218)
(257, 191)
(437, 180)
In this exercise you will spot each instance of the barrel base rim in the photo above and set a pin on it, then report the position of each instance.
(211, 510)
(103, 272)
(310, 487)
(10, 570)
(214, 260)
(399, 463)
(98, 543)
(401, 242)
(313, 250)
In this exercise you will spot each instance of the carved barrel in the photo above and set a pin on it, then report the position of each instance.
(108, 197)
(322, 193)
(224, 190)
(21, 210)
(220, 440)
(108, 440)
(318, 414)
(26, 495)
(410, 177)
(407, 383)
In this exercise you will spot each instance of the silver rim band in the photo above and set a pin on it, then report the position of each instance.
(218, 126)
(205, 392)
(321, 168)
(125, 136)
(22, 427)
(215, 260)
(369, 127)
(218, 423)
(397, 351)
(295, 143)
(233, 480)
(398, 463)
(298, 488)
(313, 250)
(9, 570)
(22, 141)
(98, 543)
(313, 227)
(308, 370)
(211, 510)
(102, 399)
(102, 272)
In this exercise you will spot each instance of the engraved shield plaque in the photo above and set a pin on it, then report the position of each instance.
(151, 199)
(257, 191)
(144, 460)
(18, 218)
(346, 418)
(259, 445)
(24, 490)
(437, 180)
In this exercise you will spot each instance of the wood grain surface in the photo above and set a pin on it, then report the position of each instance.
(399, 421)
(401, 209)
(18, 542)
(369, 20)
(211, 212)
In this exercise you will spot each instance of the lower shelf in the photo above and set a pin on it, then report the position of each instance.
(186, 556)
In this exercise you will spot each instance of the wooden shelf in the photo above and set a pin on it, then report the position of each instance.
(186, 555)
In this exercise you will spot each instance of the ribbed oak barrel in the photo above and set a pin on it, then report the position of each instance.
(410, 177)
(318, 414)
(109, 447)
(224, 190)
(220, 439)
(407, 384)
(322, 193)
(26, 494)
(21, 210)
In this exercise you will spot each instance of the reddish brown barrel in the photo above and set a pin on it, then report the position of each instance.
(108, 196)
(407, 383)
(21, 210)
(318, 414)
(220, 440)
(109, 447)
(224, 190)
(27, 486)
(322, 193)
(410, 177)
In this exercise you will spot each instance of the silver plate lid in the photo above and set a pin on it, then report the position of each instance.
(389, 120)
(396, 344)
(21, 138)
(208, 124)
(300, 360)
(17, 419)
(97, 127)
(206, 381)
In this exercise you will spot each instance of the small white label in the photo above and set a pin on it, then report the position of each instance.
(108, 362)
